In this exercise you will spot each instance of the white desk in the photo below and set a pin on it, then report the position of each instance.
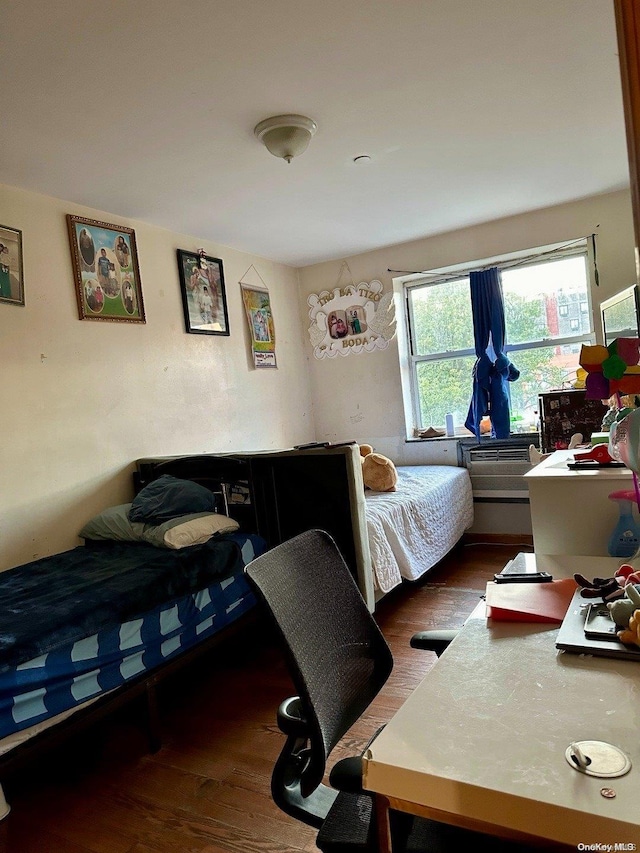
(481, 742)
(570, 510)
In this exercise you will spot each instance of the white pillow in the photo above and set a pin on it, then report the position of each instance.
(186, 530)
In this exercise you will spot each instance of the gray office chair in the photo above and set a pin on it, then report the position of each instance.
(339, 661)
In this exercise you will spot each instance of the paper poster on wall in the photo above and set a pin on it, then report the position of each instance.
(257, 306)
(351, 319)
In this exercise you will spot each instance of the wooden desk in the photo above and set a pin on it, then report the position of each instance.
(570, 510)
(481, 742)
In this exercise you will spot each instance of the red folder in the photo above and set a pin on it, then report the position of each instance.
(530, 602)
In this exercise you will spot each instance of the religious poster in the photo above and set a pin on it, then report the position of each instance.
(257, 307)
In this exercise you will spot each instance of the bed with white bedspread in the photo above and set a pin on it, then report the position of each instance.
(411, 529)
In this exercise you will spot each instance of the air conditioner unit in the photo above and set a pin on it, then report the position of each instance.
(497, 473)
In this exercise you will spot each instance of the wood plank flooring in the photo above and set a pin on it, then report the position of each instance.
(208, 788)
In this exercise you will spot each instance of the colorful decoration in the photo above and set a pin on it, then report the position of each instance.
(351, 319)
(612, 370)
(257, 306)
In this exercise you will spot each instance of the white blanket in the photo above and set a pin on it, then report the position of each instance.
(413, 528)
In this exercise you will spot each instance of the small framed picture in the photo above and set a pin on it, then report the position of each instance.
(204, 299)
(11, 281)
(105, 264)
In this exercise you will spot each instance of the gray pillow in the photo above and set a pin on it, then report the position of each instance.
(168, 497)
(113, 523)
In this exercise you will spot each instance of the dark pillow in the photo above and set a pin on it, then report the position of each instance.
(168, 497)
(113, 523)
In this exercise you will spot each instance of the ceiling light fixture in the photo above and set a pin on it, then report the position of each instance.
(286, 136)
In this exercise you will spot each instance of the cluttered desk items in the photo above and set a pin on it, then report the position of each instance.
(522, 569)
(584, 630)
(530, 602)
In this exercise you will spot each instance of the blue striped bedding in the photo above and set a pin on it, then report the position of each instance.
(67, 676)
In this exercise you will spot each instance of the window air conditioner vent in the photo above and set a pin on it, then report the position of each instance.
(497, 473)
(500, 454)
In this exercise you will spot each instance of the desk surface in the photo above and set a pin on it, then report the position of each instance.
(555, 467)
(570, 510)
(484, 735)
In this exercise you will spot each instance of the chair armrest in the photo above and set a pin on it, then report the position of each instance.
(346, 775)
(433, 641)
(290, 718)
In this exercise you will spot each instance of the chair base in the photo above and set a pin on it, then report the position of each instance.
(350, 828)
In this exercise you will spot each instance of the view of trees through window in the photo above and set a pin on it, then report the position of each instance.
(547, 319)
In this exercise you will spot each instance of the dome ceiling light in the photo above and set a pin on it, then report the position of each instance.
(286, 136)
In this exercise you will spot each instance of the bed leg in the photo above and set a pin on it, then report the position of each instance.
(153, 719)
(4, 823)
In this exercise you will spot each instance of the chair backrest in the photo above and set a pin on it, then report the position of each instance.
(337, 656)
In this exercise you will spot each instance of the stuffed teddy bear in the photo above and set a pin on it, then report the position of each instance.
(623, 609)
(378, 472)
(632, 633)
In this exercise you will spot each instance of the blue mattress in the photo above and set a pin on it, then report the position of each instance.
(76, 672)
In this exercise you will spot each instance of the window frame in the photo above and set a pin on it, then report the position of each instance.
(534, 257)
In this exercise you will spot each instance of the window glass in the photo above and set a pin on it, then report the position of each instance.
(432, 304)
(542, 299)
(544, 302)
(444, 386)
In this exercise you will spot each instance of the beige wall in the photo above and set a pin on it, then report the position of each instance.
(359, 396)
(81, 400)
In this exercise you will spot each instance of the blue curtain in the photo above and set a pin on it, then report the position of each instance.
(492, 371)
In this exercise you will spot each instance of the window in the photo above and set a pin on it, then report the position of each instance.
(542, 339)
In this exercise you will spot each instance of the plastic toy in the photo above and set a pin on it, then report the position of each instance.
(599, 453)
(609, 589)
(613, 369)
(625, 539)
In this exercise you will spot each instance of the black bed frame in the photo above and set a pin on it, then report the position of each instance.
(289, 491)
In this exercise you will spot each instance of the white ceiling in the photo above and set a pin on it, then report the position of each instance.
(470, 110)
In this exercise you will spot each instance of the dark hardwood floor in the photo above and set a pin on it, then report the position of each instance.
(208, 788)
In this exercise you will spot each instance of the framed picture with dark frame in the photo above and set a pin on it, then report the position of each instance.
(204, 299)
(105, 265)
(11, 280)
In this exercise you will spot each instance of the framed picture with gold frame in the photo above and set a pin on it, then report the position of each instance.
(11, 281)
(107, 276)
